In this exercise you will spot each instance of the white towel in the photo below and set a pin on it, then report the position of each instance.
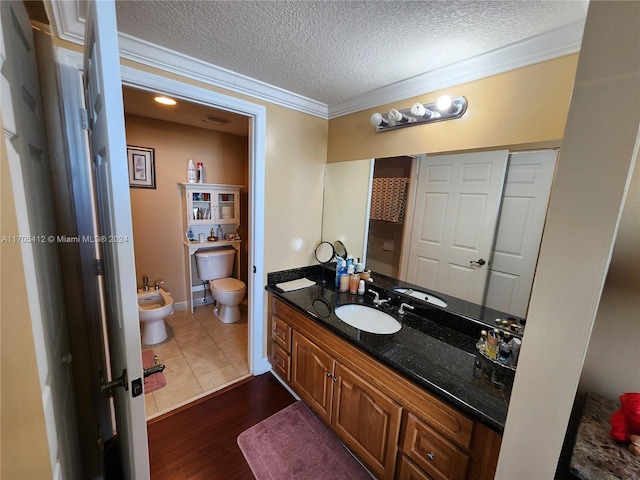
(295, 284)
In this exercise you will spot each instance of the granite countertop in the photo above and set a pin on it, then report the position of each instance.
(434, 348)
(596, 456)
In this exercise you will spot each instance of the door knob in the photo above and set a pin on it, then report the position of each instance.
(478, 263)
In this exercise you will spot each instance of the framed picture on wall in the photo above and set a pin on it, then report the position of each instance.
(142, 172)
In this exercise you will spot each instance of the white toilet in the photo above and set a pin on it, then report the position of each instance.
(216, 265)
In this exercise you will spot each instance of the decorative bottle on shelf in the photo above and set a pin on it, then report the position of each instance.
(190, 235)
(191, 172)
(200, 173)
(219, 233)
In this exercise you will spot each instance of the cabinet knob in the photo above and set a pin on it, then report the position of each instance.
(431, 456)
(278, 334)
(335, 379)
(328, 374)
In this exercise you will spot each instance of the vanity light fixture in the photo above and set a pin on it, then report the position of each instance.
(164, 100)
(446, 108)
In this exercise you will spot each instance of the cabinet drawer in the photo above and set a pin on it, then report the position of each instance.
(407, 470)
(281, 333)
(281, 362)
(436, 455)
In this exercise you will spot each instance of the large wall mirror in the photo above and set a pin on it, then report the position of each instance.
(467, 225)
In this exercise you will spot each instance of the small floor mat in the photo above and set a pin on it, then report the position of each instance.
(294, 444)
(155, 381)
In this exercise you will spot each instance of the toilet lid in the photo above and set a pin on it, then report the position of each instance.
(228, 284)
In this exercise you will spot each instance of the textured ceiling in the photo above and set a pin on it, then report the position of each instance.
(332, 51)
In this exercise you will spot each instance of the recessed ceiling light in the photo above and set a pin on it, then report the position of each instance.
(165, 100)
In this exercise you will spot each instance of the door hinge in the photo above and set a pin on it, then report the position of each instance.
(99, 267)
(84, 118)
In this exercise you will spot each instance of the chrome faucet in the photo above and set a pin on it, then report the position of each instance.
(155, 368)
(376, 298)
(403, 306)
(145, 281)
(157, 284)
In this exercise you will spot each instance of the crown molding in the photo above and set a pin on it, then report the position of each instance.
(68, 24)
(547, 46)
(152, 55)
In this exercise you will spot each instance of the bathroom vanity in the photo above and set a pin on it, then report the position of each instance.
(206, 206)
(412, 404)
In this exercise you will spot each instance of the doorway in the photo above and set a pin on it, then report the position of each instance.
(71, 66)
(202, 354)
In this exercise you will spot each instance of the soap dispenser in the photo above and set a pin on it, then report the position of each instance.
(219, 233)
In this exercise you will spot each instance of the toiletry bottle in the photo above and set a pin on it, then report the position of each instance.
(354, 281)
(190, 235)
(504, 350)
(482, 342)
(361, 287)
(492, 343)
(191, 172)
(338, 265)
(219, 233)
(516, 343)
(344, 282)
(200, 173)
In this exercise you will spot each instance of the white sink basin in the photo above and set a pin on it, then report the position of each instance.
(368, 319)
(425, 297)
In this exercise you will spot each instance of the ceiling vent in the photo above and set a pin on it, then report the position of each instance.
(213, 120)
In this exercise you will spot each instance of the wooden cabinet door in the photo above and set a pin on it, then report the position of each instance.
(312, 375)
(407, 470)
(436, 455)
(367, 421)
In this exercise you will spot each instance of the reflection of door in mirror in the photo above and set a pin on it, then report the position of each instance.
(510, 266)
(389, 191)
(522, 216)
(454, 222)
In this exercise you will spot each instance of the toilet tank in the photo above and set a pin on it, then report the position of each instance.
(215, 263)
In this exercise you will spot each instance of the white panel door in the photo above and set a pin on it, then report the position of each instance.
(522, 217)
(23, 123)
(455, 217)
(111, 183)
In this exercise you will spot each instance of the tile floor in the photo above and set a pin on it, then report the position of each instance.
(201, 355)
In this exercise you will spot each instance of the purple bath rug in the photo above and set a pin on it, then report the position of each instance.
(294, 444)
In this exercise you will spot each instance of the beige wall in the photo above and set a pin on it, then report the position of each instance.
(23, 437)
(525, 107)
(294, 185)
(157, 214)
(615, 341)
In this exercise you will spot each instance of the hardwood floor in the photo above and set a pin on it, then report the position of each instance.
(198, 441)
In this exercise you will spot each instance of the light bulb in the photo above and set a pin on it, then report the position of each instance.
(444, 103)
(165, 100)
(398, 116)
(377, 120)
(418, 110)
